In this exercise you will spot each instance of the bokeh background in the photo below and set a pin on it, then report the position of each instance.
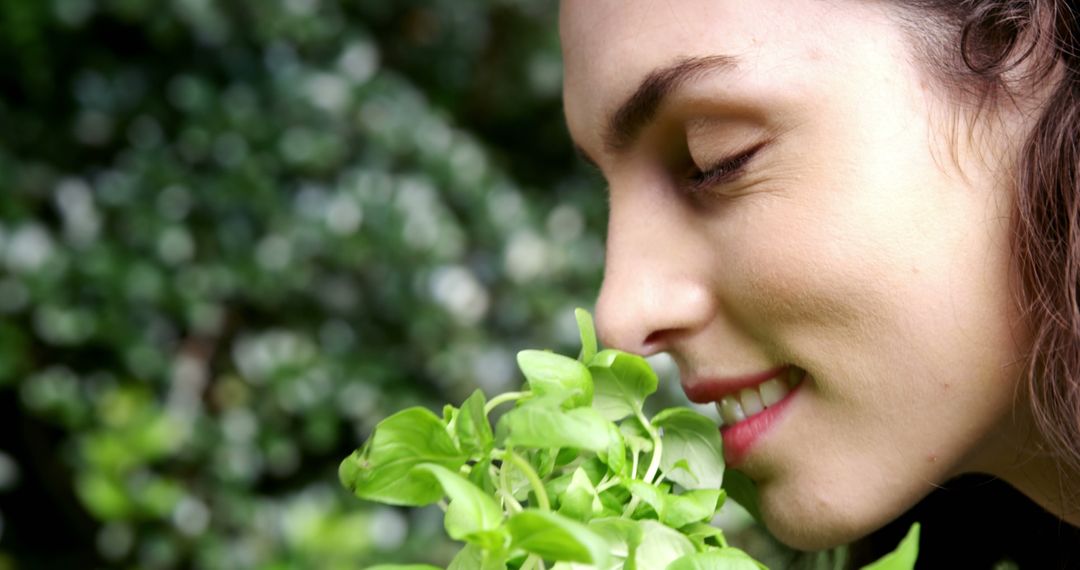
(234, 235)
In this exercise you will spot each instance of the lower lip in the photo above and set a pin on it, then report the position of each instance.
(741, 437)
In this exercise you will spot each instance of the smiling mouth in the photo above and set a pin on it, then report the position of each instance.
(753, 400)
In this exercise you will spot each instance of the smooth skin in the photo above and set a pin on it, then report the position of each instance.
(867, 242)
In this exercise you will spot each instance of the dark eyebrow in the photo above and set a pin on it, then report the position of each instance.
(640, 108)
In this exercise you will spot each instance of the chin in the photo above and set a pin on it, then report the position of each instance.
(816, 524)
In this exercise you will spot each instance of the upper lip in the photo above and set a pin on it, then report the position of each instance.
(703, 389)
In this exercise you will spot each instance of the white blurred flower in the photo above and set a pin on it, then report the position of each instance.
(459, 292)
(29, 247)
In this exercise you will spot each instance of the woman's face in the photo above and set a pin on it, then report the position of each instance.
(842, 234)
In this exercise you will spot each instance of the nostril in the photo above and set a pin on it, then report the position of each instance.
(657, 341)
(654, 338)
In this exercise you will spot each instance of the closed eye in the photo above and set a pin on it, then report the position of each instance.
(724, 171)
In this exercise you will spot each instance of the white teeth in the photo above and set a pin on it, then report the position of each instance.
(773, 391)
(751, 401)
(731, 411)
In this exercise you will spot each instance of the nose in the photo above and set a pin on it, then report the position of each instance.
(656, 276)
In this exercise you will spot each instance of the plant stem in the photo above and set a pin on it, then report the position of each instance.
(506, 490)
(654, 463)
(534, 479)
(630, 508)
(503, 398)
(510, 502)
(605, 485)
(658, 447)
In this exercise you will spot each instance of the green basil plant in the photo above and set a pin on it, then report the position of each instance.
(575, 476)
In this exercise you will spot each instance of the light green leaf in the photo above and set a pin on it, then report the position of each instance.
(473, 557)
(381, 469)
(704, 535)
(572, 566)
(637, 439)
(588, 335)
(480, 475)
(555, 537)
(566, 456)
(580, 500)
(691, 437)
(615, 455)
(677, 511)
(660, 546)
(472, 427)
(903, 558)
(403, 567)
(471, 511)
(543, 460)
(614, 499)
(539, 425)
(621, 382)
(622, 535)
(554, 374)
(723, 559)
(691, 507)
(651, 495)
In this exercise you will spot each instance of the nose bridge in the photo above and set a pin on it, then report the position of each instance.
(655, 275)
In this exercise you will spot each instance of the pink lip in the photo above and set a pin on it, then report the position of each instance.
(706, 390)
(741, 437)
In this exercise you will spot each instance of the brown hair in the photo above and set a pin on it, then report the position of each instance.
(986, 52)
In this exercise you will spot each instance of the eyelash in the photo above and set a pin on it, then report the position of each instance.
(726, 170)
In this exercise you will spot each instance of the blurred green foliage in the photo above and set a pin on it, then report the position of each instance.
(236, 235)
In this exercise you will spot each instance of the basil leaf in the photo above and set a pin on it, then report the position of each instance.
(903, 558)
(694, 439)
(381, 469)
(678, 511)
(472, 427)
(651, 495)
(742, 489)
(637, 439)
(555, 537)
(621, 382)
(615, 455)
(404, 567)
(543, 461)
(660, 546)
(691, 507)
(566, 456)
(572, 566)
(614, 499)
(704, 535)
(480, 475)
(580, 501)
(539, 425)
(471, 510)
(723, 559)
(588, 335)
(473, 557)
(622, 535)
(550, 374)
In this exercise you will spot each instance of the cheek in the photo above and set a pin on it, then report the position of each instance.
(804, 272)
(873, 278)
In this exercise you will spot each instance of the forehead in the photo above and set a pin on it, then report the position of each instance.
(609, 46)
